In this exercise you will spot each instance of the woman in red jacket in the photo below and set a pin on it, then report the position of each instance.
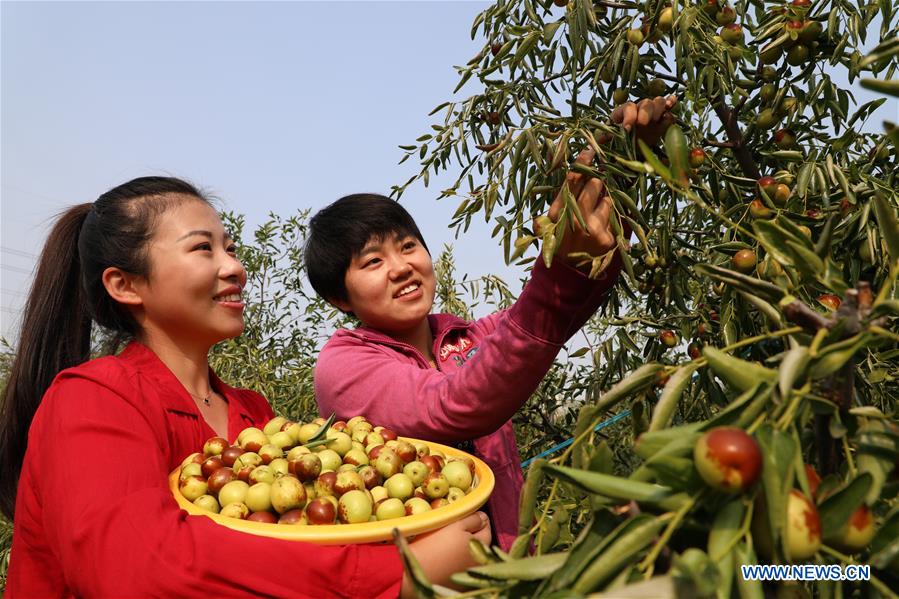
(89, 444)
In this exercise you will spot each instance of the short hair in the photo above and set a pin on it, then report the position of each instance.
(339, 232)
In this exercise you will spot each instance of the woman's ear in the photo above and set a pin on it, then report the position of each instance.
(342, 305)
(121, 286)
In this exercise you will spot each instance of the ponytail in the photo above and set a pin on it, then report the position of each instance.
(55, 335)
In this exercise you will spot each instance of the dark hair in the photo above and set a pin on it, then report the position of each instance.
(340, 231)
(67, 294)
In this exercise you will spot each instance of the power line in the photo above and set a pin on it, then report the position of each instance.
(24, 271)
(16, 252)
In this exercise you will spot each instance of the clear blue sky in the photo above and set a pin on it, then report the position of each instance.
(272, 106)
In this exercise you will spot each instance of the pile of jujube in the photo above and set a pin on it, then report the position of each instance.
(322, 473)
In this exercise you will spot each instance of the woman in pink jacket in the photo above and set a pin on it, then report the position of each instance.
(435, 376)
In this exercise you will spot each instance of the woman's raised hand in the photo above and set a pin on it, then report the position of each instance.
(594, 205)
(649, 118)
(445, 551)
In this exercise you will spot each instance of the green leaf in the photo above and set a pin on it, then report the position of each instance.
(650, 443)
(779, 451)
(806, 262)
(877, 453)
(737, 373)
(619, 553)
(837, 508)
(884, 546)
(774, 240)
(594, 539)
(667, 404)
(763, 289)
(676, 149)
(616, 487)
(792, 368)
(536, 567)
(888, 223)
(654, 161)
(890, 87)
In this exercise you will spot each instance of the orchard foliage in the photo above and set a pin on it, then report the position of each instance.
(767, 244)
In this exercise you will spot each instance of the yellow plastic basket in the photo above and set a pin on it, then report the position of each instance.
(367, 532)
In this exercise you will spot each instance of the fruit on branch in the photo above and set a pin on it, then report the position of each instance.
(793, 27)
(802, 529)
(726, 16)
(697, 157)
(787, 106)
(666, 20)
(785, 138)
(732, 34)
(668, 338)
(770, 55)
(694, 350)
(728, 459)
(619, 96)
(767, 92)
(635, 37)
(810, 32)
(709, 7)
(813, 479)
(858, 531)
(768, 185)
(798, 55)
(829, 300)
(766, 119)
(744, 261)
(769, 268)
(656, 87)
(768, 73)
(758, 209)
(781, 194)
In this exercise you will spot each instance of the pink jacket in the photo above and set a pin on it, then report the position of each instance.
(486, 370)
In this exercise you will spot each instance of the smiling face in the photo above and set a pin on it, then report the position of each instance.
(390, 284)
(193, 291)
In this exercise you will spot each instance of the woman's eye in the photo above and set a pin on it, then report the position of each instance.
(232, 249)
(409, 245)
(372, 262)
(204, 247)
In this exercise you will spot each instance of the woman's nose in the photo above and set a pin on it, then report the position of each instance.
(399, 267)
(232, 268)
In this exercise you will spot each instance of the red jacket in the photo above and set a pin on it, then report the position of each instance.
(95, 517)
(486, 370)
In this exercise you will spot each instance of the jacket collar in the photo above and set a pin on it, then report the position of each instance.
(172, 394)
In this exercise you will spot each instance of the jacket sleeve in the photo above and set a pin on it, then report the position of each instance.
(101, 480)
(516, 349)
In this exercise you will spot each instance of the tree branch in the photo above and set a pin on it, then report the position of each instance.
(729, 120)
(798, 313)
